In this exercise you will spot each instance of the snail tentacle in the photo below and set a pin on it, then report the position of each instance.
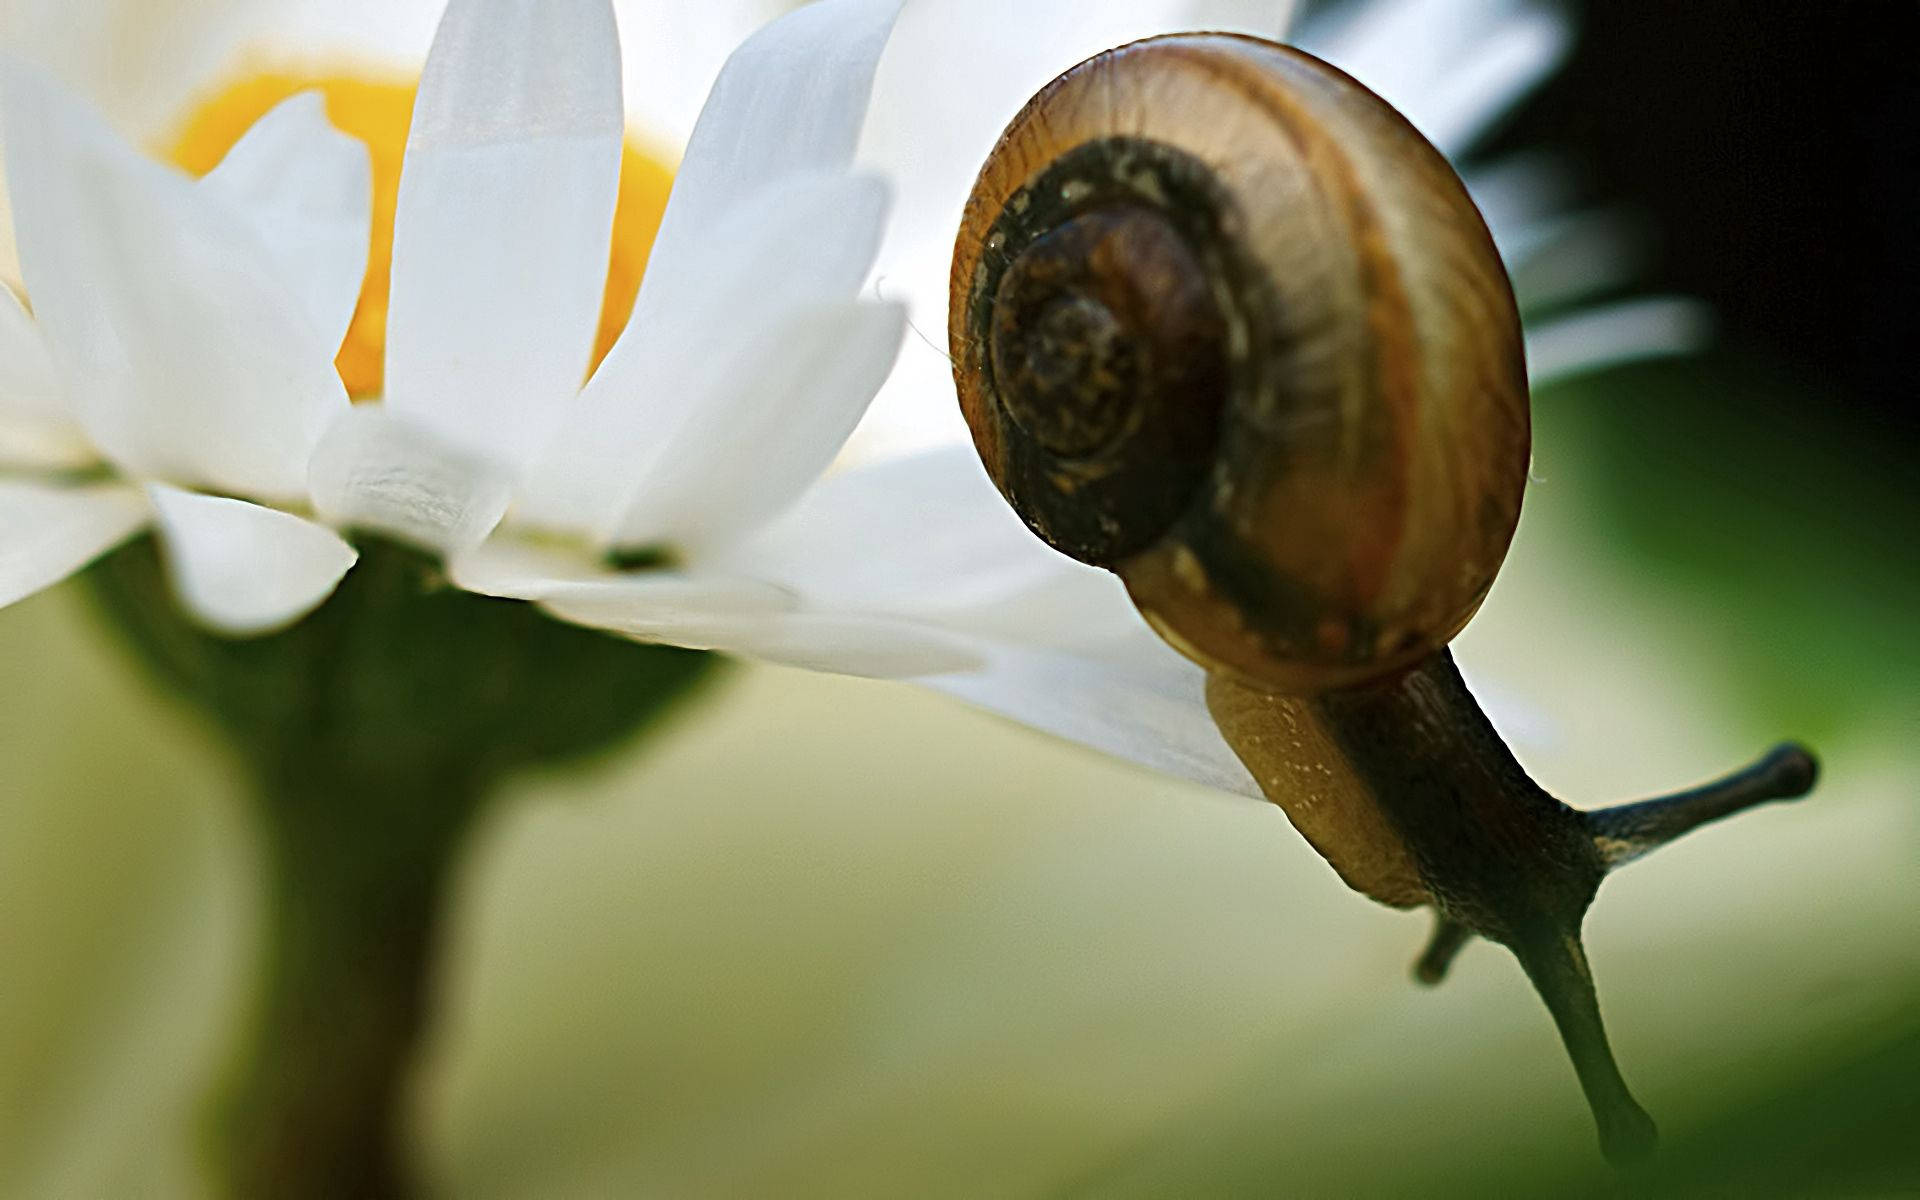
(1448, 938)
(1627, 831)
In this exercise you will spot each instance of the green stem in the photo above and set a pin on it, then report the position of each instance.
(314, 1103)
(373, 728)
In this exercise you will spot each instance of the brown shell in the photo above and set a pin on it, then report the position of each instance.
(1327, 497)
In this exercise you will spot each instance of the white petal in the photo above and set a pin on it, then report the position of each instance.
(27, 378)
(180, 44)
(515, 569)
(801, 244)
(926, 537)
(1516, 193)
(802, 240)
(1138, 700)
(47, 533)
(952, 78)
(1502, 70)
(928, 541)
(707, 610)
(378, 36)
(30, 442)
(672, 53)
(872, 647)
(789, 102)
(1398, 46)
(644, 600)
(505, 214)
(751, 620)
(308, 190)
(1270, 19)
(778, 413)
(243, 569)
(140, 61)
(915, 410)
(184, 355)
(1653, 327)
(35, 429)
(1561, 260)
(376, 470)
(712, 610)
(1451, 66)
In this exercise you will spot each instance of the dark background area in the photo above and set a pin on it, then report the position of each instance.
(1773, 147)
(1773, 150)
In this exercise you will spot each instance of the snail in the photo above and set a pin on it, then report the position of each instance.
(1226, 325)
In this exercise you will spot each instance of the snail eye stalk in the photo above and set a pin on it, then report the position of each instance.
(1627, 831)
(1251, 348)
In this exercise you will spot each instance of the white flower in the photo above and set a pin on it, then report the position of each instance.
(748, 361)
(191, 326)
(198, 373)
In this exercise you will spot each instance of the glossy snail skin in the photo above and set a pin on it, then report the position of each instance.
(1225, 324)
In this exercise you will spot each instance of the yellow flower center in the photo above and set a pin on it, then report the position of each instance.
(378, 114)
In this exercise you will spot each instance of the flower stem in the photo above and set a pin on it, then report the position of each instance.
(313, 1105)
(373, 729)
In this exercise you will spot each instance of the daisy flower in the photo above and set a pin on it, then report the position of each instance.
(639, 502)
(190, 327)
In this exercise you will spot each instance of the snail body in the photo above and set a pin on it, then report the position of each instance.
(1225, 324)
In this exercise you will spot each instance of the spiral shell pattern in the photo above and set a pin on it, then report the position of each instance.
(1225, 323)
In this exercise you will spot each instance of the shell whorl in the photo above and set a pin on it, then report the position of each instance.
(1224, 323)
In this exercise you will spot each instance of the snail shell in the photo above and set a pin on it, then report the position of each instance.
(1225, 323)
